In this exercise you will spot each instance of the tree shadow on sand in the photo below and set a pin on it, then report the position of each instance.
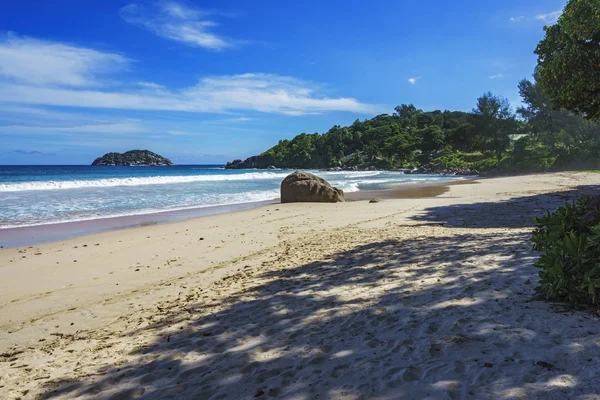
(444, 316)
(517, 212)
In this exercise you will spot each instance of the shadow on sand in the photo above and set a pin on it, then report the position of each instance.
(517, 212)
(440, 316)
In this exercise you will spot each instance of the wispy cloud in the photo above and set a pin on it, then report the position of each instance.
(497, 76)
(40, 62)
(25, 80)
(178, 22)
(413, 81)
(151, 85)
(267, 93)
(123, 127)
(24, 113)
(547, 18)
(175, 132)
(32, 153)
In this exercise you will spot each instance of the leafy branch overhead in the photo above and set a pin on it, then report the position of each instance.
(569, 59)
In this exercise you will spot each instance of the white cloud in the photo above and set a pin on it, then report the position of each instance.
(151, 85)
(178, 10)
(41, 62)
(178, 133)
(20, 113)
(122, 127)
(267, 93)
(413, 81)
(175, 21)
(497, 76)
(73, 82)
(549, 18)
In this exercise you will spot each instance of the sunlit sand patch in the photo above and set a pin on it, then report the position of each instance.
(563, 381)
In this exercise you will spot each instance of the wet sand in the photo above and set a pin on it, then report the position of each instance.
(31, 235)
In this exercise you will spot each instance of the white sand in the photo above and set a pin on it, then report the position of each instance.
(400, 299)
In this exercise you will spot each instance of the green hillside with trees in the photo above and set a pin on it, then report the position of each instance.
(492, 137)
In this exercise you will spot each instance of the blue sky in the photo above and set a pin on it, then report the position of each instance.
(209, 81)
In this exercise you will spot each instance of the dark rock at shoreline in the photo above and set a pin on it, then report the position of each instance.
(250, 163)
(306, 187)
(353, 168)
(132, 158)
(442, 170)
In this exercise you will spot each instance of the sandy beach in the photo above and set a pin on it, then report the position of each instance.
(402, 299)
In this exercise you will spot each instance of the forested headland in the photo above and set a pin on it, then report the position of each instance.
(493, 137)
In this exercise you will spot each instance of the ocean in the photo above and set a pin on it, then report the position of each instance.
(42, 195)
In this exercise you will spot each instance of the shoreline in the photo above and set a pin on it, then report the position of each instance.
(54, 232)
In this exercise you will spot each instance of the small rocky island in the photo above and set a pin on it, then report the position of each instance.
(132, 158)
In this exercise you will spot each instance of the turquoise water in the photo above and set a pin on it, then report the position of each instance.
(38, 195)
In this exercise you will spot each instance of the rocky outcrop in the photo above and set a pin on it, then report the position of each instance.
(258, 162)
(131, 158)
(430, 169)
(306, 187)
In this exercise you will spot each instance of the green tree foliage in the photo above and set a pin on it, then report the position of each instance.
(384, 141)
(407, 114)
(570, 138)
(432, 141)
(569, 59)
(496, 123)
(546, 124)
(569, 243)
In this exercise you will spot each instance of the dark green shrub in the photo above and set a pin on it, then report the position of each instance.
(451, 160)
(473, 157)
(570, 254)
(486, 164)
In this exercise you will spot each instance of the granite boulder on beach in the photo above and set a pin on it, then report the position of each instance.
(305, 187)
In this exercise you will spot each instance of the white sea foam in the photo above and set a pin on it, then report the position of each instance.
(135, 181)
(348, 186)
(351, 174)
(165, 180)
(66, 217)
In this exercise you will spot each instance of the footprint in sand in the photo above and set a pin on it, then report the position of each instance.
(128, 394)
(412, 374)
(339, 370)
(436, 349)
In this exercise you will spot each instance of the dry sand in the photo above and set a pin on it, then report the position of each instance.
(408, 298)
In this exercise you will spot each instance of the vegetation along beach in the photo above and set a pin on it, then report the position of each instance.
(170, 228)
